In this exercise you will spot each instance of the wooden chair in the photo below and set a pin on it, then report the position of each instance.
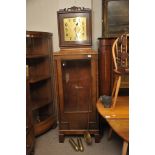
(120, 55)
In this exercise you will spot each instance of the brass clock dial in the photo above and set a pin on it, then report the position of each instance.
(75, 29)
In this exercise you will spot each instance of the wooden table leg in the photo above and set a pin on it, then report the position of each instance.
(125, 147)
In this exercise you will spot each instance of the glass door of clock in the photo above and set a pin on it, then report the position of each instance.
(77, 80)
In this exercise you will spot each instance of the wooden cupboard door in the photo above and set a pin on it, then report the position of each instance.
(76, 78)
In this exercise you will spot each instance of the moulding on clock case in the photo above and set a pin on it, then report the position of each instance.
(74, 8)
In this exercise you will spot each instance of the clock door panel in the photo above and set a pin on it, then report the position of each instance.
(77, 83)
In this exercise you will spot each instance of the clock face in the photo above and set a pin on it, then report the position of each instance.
(75, 29)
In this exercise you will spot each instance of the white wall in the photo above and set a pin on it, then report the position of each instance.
(41, 15)
(96, 22)
(79, 3)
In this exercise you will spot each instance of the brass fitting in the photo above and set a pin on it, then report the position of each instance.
(87, 138)
(73, 144)
(80, 145)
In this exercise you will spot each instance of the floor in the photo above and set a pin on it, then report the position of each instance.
(48, 144)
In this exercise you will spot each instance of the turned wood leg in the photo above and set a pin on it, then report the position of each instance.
(97, 138)
(114, 86)
(125, 147)
(116, 91)
(61, 138)
(110, 133)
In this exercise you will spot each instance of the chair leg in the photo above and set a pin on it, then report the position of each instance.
(114, 86)
(116, 91)
(125, 147)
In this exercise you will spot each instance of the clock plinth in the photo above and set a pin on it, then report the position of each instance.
(77, 92)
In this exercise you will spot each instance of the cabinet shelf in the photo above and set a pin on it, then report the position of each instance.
(33, 56)
(39, 78)
(39, 103)
(45, 123)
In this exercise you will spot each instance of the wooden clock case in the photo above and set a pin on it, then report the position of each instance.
(74, 12)
(77, 92)
(76, 70)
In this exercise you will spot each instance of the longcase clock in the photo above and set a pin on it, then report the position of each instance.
(76, 74)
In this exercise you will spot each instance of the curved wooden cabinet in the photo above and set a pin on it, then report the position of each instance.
(39, 61)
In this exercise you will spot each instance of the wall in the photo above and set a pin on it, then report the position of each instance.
(96, 22)
(41, 15)
(69, 3)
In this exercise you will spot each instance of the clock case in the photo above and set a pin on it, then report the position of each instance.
(71, 13)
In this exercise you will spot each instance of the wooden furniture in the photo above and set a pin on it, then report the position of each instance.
(105, 65)
(115, 17)
(117, 118)
(30, 140)
(121, 127)
(77, 89)
(39, 61)
(120, 55)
